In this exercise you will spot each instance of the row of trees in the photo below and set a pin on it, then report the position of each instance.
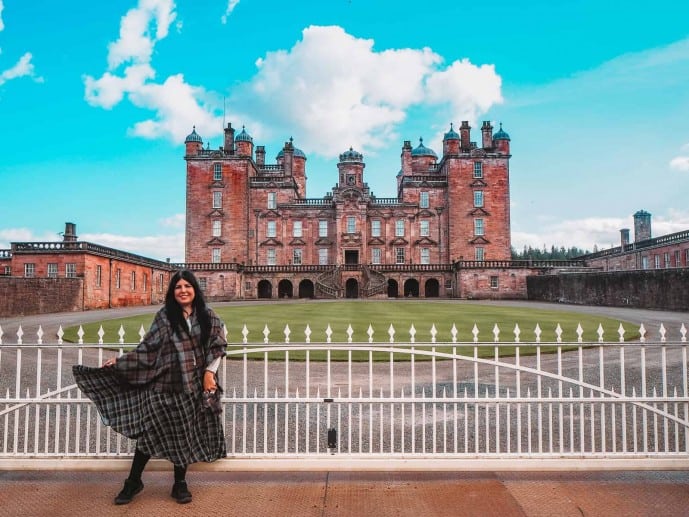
(553, 253)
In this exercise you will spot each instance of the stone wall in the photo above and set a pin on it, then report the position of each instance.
(657, 289)
(26, 296)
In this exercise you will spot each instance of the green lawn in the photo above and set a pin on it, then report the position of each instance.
(380, 315)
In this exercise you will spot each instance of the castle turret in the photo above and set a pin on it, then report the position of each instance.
(293, 160)
(422, 158)
(244, 144)
(451, 142)
(501, 141)
(351, 167)
(193, 143)
(487, 135)
(642, 226)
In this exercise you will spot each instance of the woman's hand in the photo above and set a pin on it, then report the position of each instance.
(209, 381)
(109, 362)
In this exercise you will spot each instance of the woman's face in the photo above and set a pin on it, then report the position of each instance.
(184, 293)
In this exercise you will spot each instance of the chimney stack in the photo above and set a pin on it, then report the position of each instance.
(70, 234)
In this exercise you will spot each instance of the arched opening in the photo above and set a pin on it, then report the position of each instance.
(285, 289)
(265, 289)
(411, 288)
(306, 289)
(352, 288)
(393, 288)
(432, 288)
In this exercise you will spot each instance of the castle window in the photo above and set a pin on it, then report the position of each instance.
(399, 228)
(296, 229)
(144, 283)
(479, 254)
(118, 278)
(217, 199)
(399, 255)
(323, 256)
(203, 283)
(132, 284)
(351, 224)
(425, 255)
(656, 261)
(322, 228)
(271, 230)
(493, 282)
(666, 257)
(423, 200)
(161, 282)
(478, 170)
(375, 255)
(478, 227)
(217, 228)
(215, 258)
(296, 256)
(217, 172)
(71, 270)
(424, 228)
(644, 262)
(52, 270)
(678, 258)
(29, 270)
(99, 276)
(272, 200)
(478, 198)
(270, 256)
(375, 228)
(686, 257)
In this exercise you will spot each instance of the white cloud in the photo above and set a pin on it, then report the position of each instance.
(334, 89)
(680, 163)
(601, 232)
(231, 4)
(177, 105)
(24, 67)
(174, 221)
(10, 235)
(159, 247)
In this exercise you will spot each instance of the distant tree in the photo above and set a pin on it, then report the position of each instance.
(554, 253)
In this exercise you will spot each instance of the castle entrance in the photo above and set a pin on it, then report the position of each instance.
(352, 288)
(351, 256)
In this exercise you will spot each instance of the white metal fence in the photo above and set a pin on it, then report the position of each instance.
(401, 403)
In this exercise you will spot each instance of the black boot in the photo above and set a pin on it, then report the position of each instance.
(130, 489)
(180, 492)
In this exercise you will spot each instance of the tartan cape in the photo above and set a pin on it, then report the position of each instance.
(154, 394)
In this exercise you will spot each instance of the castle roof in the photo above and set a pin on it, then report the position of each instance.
(243, 136)
(351, 156)
(451, 134)
(422, 150)
(193, 137)
(501, 135)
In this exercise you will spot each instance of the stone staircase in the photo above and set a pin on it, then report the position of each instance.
(328, 284)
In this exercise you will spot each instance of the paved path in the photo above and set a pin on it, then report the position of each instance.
(332, 494)
(51, 322)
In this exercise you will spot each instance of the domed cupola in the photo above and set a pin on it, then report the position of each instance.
(193, 143)
(298, 153)
(243, 136)
(501, 141)
(501, 135)
(451, 134)
(422, 150)
(193, 137)
(351, 156)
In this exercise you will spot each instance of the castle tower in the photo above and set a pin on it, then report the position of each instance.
(244, 144)
(501, 141)
(422, 159)
(642, 226)
(451, 142)
(193, 143)
(351, 169)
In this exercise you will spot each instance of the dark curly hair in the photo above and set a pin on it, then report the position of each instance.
(174, 310)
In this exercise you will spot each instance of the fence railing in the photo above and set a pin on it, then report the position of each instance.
(412, 401)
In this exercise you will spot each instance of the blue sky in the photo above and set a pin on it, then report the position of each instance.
(97, 97)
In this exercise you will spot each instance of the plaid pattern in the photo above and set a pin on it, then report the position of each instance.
(154, 394)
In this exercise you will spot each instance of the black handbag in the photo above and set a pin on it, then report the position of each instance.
(210, 400)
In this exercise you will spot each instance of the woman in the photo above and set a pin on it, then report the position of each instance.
(154, 393)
